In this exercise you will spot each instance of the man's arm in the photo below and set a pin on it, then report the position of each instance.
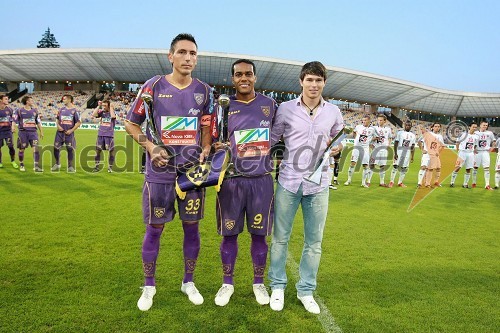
(278, 126)
(396, 143)
(412, 152)
(112, 113)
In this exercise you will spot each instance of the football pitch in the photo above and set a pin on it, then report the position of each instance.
(70, 257)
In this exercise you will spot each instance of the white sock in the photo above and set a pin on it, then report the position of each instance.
(474, 176)
(393, 174)
(421, 174)
(382, 177)
(349, 173)
(466, 178)
(454, 175)
(402, 175)
(487, 177)
(369, 177)
(365, 175)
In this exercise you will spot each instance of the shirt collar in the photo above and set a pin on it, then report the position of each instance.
(299, 100)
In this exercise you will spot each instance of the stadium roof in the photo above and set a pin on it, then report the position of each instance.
(138, 65)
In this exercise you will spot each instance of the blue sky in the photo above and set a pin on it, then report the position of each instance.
(441, 43)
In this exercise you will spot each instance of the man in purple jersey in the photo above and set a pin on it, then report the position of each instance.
(67, 121)
(106, 134)
(250, 193)
(182, 111)
(28, 120)
(7, 127)
(306, 124)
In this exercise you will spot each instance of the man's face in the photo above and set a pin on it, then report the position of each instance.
(483, 127)
(29, 102)
(312, 86)
(473, 128)
(366, 121)
(105, 106)
(5, 100)
(436, 128)
(381, 121)
(407, 127)
(184, 57)
(244, 78)
(66, 100)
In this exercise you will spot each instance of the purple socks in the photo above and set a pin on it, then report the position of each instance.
(228, 253)
(191, 249)
(258, 249)
(150, 249)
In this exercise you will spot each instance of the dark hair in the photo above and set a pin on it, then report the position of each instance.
(435, 124)
(25, 99)
(313, 68)
(107, 102)
(473, 123)
(367, 116)
(245, 61)
(380, 115)
(69, 96)
(484, 121)
(180, 37)
(3, 95)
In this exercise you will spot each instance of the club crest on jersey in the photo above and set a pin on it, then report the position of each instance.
(266, 110)
(159, 211)
(199, 98)
(229, 224)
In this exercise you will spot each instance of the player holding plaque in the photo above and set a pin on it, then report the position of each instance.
(181, 109)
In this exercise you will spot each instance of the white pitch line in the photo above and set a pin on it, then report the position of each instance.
(325, 317)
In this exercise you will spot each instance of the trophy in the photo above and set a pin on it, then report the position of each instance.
(224, 104)
(315, 177)
(147, 99)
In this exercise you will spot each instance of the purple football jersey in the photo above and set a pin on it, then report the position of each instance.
(68, 118)
(6, 118)
(27, 120)
(179, 114)
(106, 124)
(249, 130)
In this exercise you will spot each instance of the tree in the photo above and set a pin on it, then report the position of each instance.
(48, 40)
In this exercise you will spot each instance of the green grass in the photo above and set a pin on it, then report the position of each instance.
(70, 258)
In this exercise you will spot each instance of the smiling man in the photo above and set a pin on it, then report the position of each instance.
(307, 125)
(249, 194)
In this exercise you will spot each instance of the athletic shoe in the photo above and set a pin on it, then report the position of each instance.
(437, 184)
(110, 170)
(224, 294)
(452, 185)
(383, 185)
(146, 301)
(335, 182)
(261, 294)
(496, 187)
(310, 304)
(391, 184)
(193, 294)
(419, 186)
(465, 186)
(365, 185)
(96, 169)
(427, 186)
(56, 167)
(347, 183)
(277, 299)
(142, 170)
(368, 184)
(71, 169)
(14, 165)
(473, 185)
(332, 187)
(488, 188)
(38, 169)
(402, 185)
(21, 168)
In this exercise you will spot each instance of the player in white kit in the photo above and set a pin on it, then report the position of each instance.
(466, 146)
(404, 149)
(485, 141)
(380, 151)
(363, 136)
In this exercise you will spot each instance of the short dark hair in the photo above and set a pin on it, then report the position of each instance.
(107, 102)
(69, 96)
(435, 124)
(313, 68)
(25, 99)
(245, 61)
(180, 37)
(3, 95)
(484, 121)
(381, 115)
(473, 123)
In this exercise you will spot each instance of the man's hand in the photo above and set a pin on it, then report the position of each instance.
(204, 153)
(159, 156)
(68, 132)
(336, 150)
(220, 145)
(59, 128)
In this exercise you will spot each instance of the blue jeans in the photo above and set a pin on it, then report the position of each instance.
(314, 209)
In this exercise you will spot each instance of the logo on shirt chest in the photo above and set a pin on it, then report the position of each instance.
(199, 98)
(179, 130)
(266, 110)
(252, 142)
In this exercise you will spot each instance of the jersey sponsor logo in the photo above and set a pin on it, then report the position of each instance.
(29, 122)
(164, 96)
(482, 144)
(194, 112)
(106, 121)
(405, 143)
(469, 146)
(179, 130)
(265, 123)
(252, 142)
(67, 120)
(4, 121)
(266, 110)
(199, 98)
